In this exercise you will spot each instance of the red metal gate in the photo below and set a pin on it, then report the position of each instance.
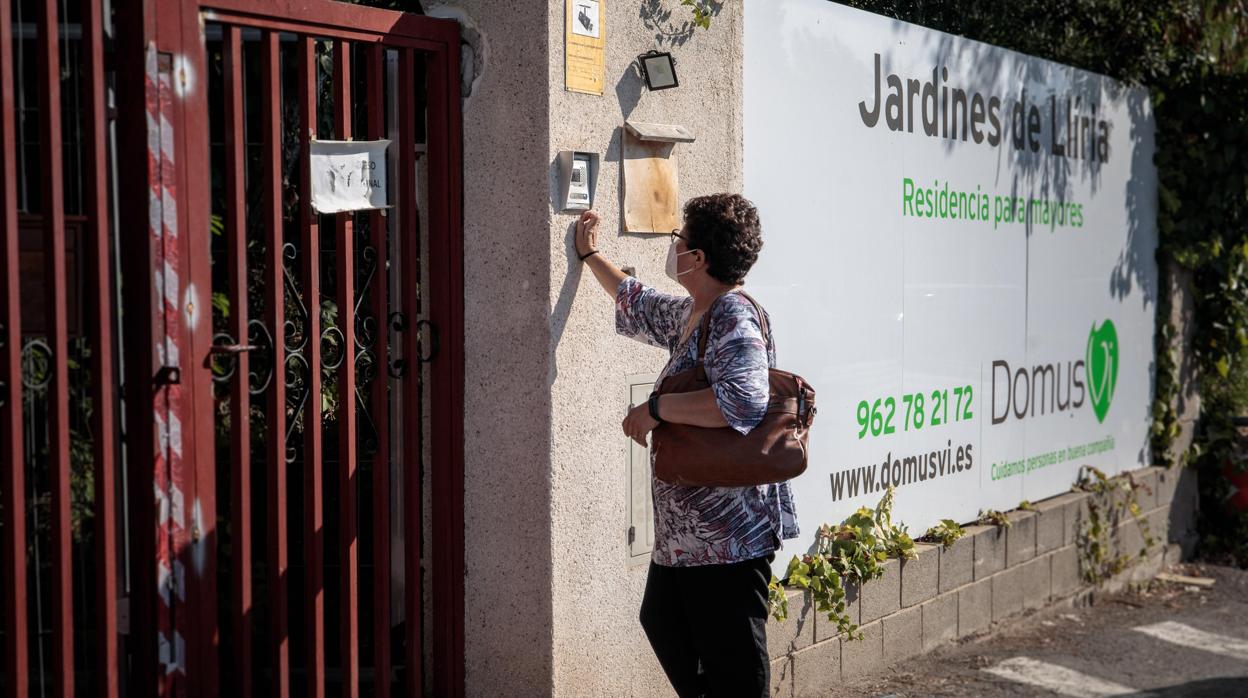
(285, 396)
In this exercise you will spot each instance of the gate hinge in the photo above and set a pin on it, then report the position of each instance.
(632, 534)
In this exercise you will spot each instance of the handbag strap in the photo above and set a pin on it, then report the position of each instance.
(705, 331)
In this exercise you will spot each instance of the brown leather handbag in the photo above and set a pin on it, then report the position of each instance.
(773, 451)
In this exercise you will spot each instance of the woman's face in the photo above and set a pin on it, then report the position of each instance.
(682, 260)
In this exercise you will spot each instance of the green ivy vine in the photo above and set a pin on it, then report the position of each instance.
(947, 532)
(992, 517)
(1110, 497)
(702, 12)
(850, 552)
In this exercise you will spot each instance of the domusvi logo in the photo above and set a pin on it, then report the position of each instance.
(1102, 366)
(1048, 388)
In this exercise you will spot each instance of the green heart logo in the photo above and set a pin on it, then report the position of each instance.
(1102, 367)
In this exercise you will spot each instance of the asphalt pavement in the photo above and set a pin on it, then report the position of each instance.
(1163, 639)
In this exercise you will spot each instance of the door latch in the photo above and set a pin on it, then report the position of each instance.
(231, 348)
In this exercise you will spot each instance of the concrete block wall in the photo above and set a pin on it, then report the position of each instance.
(988, 576)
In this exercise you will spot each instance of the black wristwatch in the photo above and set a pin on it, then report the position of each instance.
(654, 408)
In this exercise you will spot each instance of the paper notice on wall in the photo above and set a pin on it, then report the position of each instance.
(348, 175)
(585, 46)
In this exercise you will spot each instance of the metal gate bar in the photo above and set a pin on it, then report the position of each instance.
(314, 520)
(136, 59)
(53, 201)
(348, 554)
(12, 475)
(278, 564)
(100, 279)
(99, 242)
(174, 431)
(378, 397)
(413, 426)
(196, 543)
(240, 405)
(446, 282)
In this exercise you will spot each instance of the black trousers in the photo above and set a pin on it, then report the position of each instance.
(708, 626)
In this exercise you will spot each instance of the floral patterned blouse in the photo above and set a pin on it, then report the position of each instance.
(711, 525)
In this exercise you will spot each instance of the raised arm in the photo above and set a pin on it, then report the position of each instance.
(608, 275)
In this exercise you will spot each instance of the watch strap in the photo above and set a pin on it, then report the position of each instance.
(654, 407)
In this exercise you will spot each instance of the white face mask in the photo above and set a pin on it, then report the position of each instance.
(672, 254)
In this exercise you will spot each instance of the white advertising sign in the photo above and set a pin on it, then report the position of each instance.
(348, 175)
(958, 254)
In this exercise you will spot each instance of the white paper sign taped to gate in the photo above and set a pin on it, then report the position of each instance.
(348, 175)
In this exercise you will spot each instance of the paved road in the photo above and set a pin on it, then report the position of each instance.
(1166, 640)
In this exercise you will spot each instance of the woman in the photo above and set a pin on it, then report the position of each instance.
(705, 604)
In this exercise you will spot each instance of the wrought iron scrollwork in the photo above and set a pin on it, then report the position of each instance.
(222, 363)
(296, 339)
(366, 372)
(333, 348)
(262, 369)
(366, 355)
(296, 376)
(295, 370)
(365, 324)
(36, 363)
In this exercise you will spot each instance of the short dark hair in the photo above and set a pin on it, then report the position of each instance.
(726, 228)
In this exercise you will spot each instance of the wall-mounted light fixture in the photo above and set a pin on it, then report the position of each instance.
(658, 69)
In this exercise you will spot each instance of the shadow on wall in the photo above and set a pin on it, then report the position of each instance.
(656, 16)
(1137, 263)
(1050, 174)
(562, 309)
(1135, 269)
(1139, 255)
(1045, 175)
(628, 89)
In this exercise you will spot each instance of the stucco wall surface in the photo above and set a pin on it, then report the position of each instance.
(550, 594)
(599, 646)
(507, 399)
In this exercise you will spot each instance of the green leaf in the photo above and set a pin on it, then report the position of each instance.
(221, 303)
